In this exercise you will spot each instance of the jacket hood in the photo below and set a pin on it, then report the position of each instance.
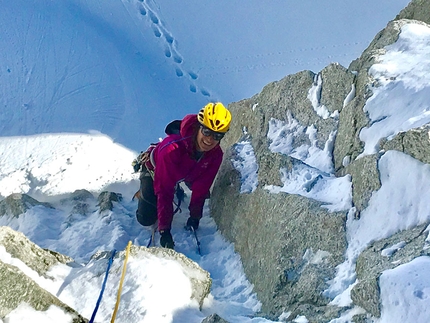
(189, 126)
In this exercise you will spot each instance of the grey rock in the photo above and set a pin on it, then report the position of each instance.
(81, 195)
(353, 118)
(365, 179)
(214, 318)
(36, 258)
(270, 165)
(347, 143)
(16, 287)
(348, 146)
(17, 204)
(416, 10)
(281, 276)
(316, 313)
(291, 94)
(337, 84)
(80, 203)
(362, 318)
(415, 142)
(106, 199)
(278, 100)
(272, 233)
(371, 263)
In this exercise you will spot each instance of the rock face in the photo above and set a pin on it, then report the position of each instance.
(16, 204)
(279, 235)
(214, 318)
(416, 10)
(16, 287)
(408, 245)
(36, 258)
(106, 200)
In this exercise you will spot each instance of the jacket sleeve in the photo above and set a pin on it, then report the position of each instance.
(201, 185)
(165, 180)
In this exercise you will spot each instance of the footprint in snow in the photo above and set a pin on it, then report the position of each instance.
(170, 51)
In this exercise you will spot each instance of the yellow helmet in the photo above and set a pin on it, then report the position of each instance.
(215, 116)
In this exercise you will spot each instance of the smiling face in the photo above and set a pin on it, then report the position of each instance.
(205, 143)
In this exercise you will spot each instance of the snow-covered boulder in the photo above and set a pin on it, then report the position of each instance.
(199, 280)
(159, 280)
(23, 266)
(16, 204)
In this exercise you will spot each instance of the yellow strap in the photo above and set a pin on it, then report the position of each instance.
(118, 297)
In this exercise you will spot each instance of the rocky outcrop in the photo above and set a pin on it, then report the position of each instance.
(288, 98)
(106, 199)
(265, 227)
(365, 180)
(416, 10)
(17, 204)
(22, 261)
(385, 254)
(81, 202)
(16, 286)
(38, 259)
(214, 318)
(353, 118)
(199, 278)
(415, 143)
(279, 235)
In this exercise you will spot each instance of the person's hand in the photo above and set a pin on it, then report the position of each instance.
(192, 223)
(166, 240)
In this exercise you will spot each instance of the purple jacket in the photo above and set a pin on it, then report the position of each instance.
(175, 161)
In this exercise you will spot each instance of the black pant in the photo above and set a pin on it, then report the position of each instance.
(146, 213)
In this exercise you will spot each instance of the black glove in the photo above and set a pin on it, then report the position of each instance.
(192, 223)
(166, 239)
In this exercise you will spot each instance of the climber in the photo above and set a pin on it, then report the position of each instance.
(190, 153)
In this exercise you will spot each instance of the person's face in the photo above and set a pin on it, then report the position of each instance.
(205, 139)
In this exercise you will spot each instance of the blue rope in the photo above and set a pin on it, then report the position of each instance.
(103, 286)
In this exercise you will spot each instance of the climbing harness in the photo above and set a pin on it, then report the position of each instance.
(118, 298)
(103, 286)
